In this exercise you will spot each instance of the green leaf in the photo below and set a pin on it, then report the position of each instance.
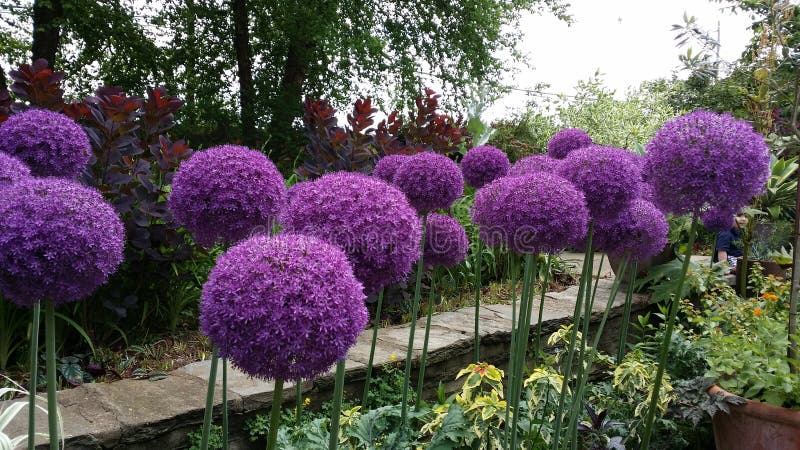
(454, 429)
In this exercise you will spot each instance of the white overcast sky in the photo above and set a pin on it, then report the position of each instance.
(629, 41)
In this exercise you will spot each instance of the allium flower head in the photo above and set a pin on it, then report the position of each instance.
(640, 230)
(717, 219)
(430, 181)
(534, 213)
(283, 307)
(484, 164)
(706, 160)
(534, 163)
(368, 218)
(227, 193)
(12, 169)
(387, 167)
(51, 144)
(609, 178)
(446, 242)
(59, 241)
(567, 140)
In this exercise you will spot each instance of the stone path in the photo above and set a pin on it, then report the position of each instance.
(142, 414)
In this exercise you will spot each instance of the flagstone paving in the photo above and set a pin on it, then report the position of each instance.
(144, 414)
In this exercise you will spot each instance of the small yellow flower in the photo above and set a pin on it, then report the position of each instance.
(307, 401)
(769, 296)
(393, 357)
(757, 312)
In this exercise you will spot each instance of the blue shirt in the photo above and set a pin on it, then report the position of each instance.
(731, 242)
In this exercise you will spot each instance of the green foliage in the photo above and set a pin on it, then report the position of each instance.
(387, 387)
(524, 134)
(214, 438)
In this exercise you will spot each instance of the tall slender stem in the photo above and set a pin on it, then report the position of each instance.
(662, 360)
(523, 331)
(225, 403)
(209, 412)
(275, 415)
(34, 369)
(585, 284)
(424, 357)
(52, 387)
(414, 311)
(298, 398)
(510, 377)
(477, 265)
(626, 315)
(375, 326)
(538, 343)
(336, 411)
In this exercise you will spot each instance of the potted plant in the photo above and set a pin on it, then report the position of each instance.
(745, 342)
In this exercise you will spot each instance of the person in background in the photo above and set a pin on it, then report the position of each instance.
(729, 243)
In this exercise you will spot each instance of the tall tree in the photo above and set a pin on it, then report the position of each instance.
(47, 17)
(247, 91)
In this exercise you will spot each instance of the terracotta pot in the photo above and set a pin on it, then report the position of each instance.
(756, 426)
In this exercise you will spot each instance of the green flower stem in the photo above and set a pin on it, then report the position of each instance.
(626, 315)
(585, 284)
(412, 326)
(537, 343)
(584, 376)
(52, 387)
(375, 327)
(34, 369)
(207, 417)
(478, 285)
(523, 331)
(510, 376)
(662, 360)
(224, 403)
(336, 411)
(275, 415)
(424, 357)
(298, 394)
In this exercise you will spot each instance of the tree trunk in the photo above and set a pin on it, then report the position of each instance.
(247, 92)
(46, 29)
(288, 103)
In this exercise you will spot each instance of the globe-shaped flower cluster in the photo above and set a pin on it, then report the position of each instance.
(567, 140)
(283, 308)
(227, 193)
(368, 218)
(12, 169)
(59, 241)
(430, 181)
(534, 163)
(446, 242)
(609, 177)
(705, 160)
(386, 168)
(51, 144)
(639, 231)
(484, 164)
(540, 212)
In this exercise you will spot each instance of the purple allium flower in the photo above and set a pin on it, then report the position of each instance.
(430, 181)
(283, 307)
(59, 241)
(640, 230)
(567, 140)
(717, 219)
(368, 218)
(609, 178)
(705, 160)
(12, 170)
(539, 212)
(387, 167)
(534, 163)
(484, 164)
(51, 144)
(446, 242)
(226, 194)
